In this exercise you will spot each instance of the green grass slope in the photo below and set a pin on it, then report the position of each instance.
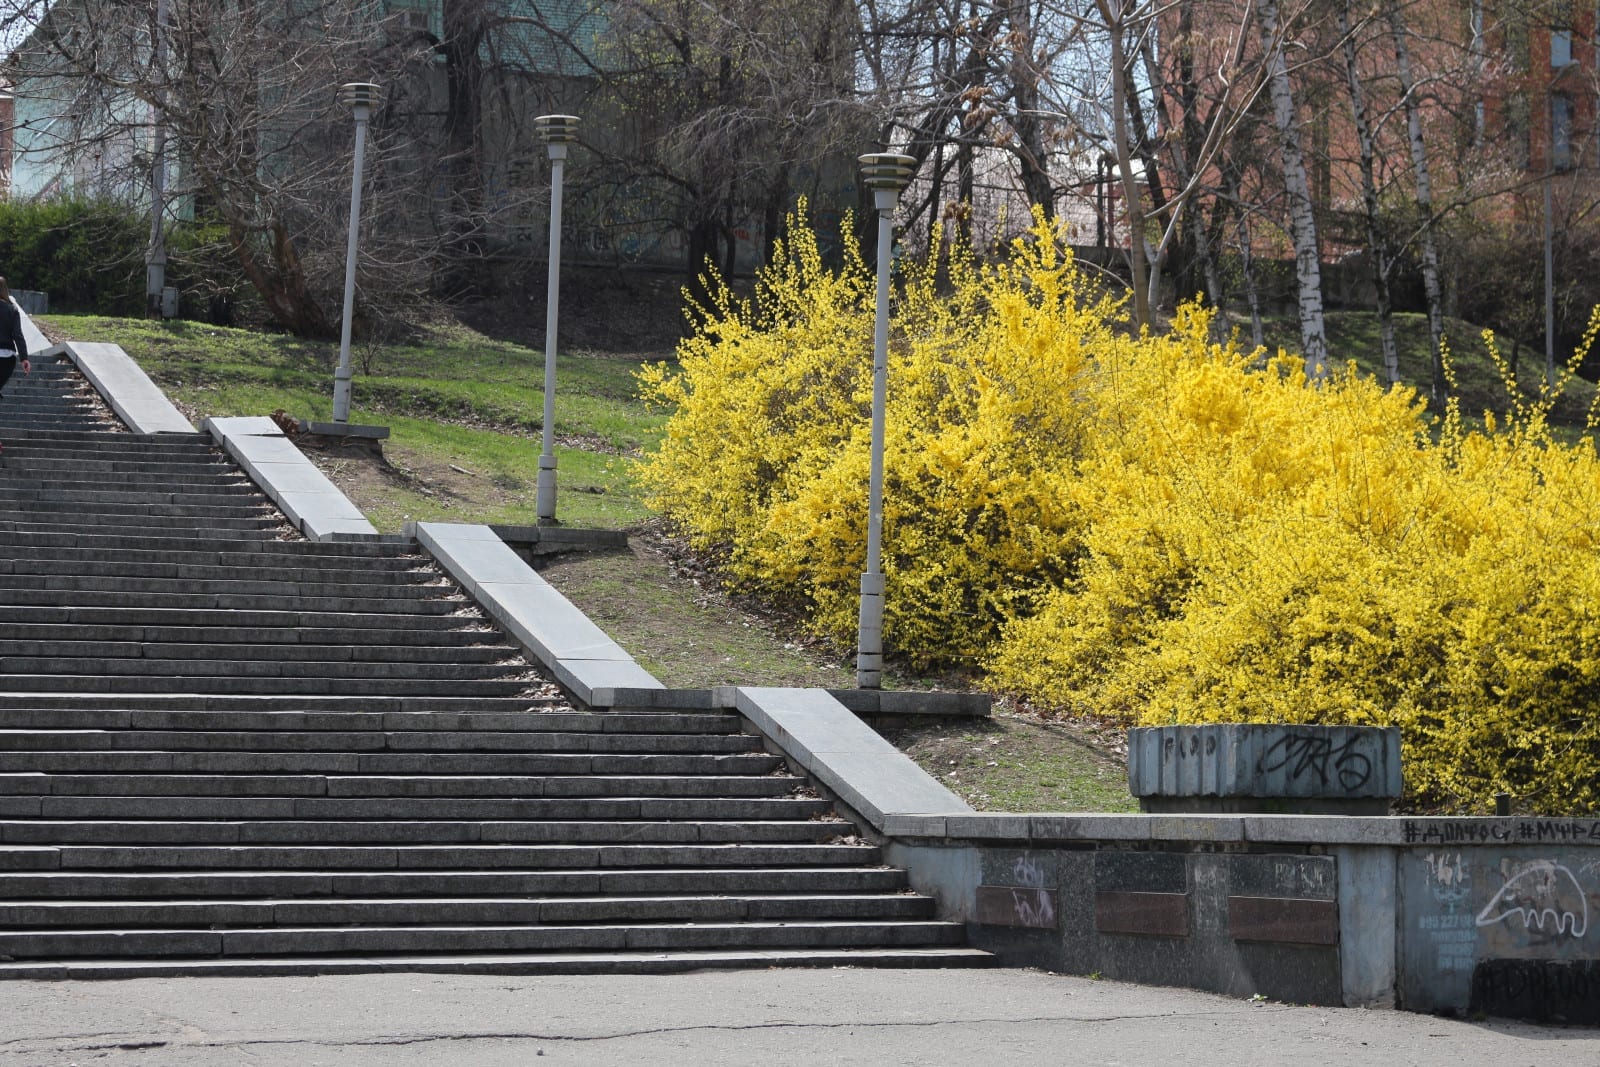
(464, 411)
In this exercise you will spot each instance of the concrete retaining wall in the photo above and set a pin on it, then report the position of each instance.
(1495, 915)
(1499, 916)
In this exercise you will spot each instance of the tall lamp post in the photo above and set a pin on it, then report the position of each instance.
(886, 174)
(361, 98)
(558, 132)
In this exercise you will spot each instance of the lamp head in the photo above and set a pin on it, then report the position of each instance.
(360, 97)
(557, 129)
(886, 174)
(558, 132)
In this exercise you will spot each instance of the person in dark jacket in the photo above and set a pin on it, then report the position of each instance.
(13, 347)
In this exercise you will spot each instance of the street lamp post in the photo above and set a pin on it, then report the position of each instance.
(558, 132)
(361, 98)
(886, 174)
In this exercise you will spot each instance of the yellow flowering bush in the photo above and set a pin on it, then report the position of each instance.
(1150, 526)
(766, 455)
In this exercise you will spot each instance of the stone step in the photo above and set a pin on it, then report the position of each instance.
(464, 619)
(270, 941)
(163, 885)
(272, 572)
(175, 538)
(53, 418)
(247, 671)
(553, 963)
(35, 784)
(118, 441)
(127, 470)
(26, 410)
(413, 809)
(438, 742)
(59, 713)
(310, 832)
(378, 763)
(29, 484)
(399, 588)
(466, 911)
(277, 685)
(145, 522)
(169, 562)
(258, 703)
(426, 857)
(241, 601)
(204, 543)
(18, 494)
(34, 649)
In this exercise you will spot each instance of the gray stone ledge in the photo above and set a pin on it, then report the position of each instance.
(581, 656)
(137, 401)
(914, 702)
(343, 429)
(544, 540)
(302, 492)
(849, 759)
(1297, 830)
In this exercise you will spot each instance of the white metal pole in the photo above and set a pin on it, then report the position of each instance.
(558, 131)
(360, 96)
(886, 175)
(552, 303)
(869, 655)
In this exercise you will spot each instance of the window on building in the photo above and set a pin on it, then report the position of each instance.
(1519, 129)
(1560, 48)
(1561, 116)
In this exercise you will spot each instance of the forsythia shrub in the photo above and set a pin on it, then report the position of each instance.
(766, 455)
(1149, 526)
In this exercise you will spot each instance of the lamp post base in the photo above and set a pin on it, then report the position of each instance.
(869, 641)
(546, 495)
(341, 396)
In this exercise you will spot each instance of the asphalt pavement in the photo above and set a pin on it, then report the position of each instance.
(778, 1017)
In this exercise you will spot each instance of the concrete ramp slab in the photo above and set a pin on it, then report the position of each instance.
(137, 400)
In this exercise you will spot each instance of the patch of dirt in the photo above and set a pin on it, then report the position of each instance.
(662, 539)
(681, 626)
(1019, 762)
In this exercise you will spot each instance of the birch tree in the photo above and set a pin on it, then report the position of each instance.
(1378, 248)
(1432, 291)
(1302, 220)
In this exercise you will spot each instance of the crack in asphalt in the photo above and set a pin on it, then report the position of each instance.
(423, 1039)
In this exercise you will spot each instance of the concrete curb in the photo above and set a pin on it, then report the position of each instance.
(1043, 830)
(594, 667)
(896, 703)
(850, 759)
(303, 493)
(137, 401)
(546, 540)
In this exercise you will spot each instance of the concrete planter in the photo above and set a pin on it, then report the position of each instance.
(1286, 769)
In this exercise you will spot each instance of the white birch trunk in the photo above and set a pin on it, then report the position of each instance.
(1431, 289)
(1302, 222)
(1114, 14)
(1376, 245)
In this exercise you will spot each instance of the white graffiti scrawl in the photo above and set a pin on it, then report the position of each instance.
(1545, 896)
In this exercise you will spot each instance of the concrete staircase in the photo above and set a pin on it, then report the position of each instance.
(224, 749)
